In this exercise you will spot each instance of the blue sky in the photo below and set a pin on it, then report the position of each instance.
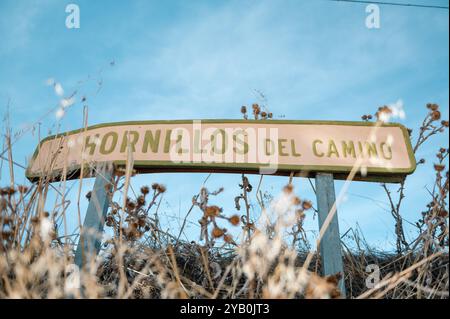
(313, 59)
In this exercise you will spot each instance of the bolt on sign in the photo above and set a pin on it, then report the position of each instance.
(263, 147)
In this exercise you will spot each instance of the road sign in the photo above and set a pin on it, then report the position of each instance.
(268, 147)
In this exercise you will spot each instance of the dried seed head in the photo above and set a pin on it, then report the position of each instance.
(243, 109)
(228, 239)
(130, 204)
(439, 167)
(288, 188)
(161, 188)
(444, 123)
(109, 221)
(443, 213)
(383, 112)
(217, 232)
(256, 109)
(296, 201)
(306, 204)
(141, 200)
(212, 211)
(436, 115)
(6, 234)
(432, 106)
(234, 220)
(250, 226)
(145, 190)
(9, 191)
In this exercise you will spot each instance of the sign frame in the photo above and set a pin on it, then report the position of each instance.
(151, 166)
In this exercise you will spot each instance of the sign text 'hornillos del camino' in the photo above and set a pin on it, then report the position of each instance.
(268, 147)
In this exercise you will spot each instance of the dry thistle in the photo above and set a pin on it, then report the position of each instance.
(145, 190)
(436, 115)
(432, 106)
(229, 239)
(141, 201)
(296, 201)
(217, 232)
(256, 110)
(212, 211)
(383, 113)
(306, 204)
(263, 115)
(288, 188)
(234, 220)
(244, 112)
(161, 188)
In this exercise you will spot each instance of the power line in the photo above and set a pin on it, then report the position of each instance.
(393, 4)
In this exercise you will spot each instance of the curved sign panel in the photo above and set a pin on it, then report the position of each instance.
(265, 147)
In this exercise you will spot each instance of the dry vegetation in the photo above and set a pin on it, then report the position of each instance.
(144, 261)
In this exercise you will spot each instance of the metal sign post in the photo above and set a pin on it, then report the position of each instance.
(91, 233)
(330, 245)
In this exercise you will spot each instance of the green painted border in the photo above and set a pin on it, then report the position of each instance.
(378, 174)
